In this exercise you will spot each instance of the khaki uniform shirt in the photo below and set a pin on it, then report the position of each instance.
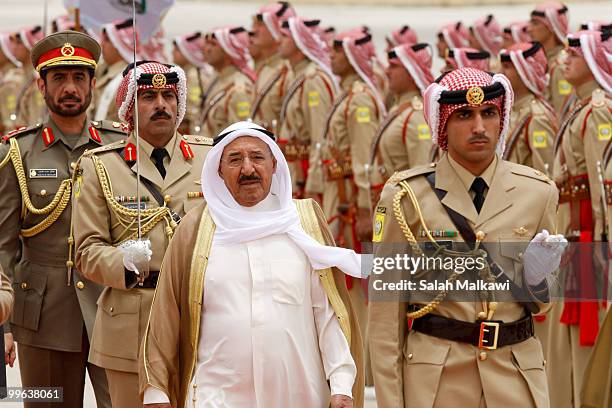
(353, 121)
(103, 106)
(580, 145)
(227, 100)
(31, 107)
(403, 138)
(11, 80)
(531, 137)
(412, 369)
(6, 297)
(101, 224)
(272, 81)
(49, 312)
(559, 90)
(305, 106)
(196, 82)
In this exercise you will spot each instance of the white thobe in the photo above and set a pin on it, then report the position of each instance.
(269, 337)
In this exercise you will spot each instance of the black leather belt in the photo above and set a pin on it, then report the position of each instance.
(485, 334)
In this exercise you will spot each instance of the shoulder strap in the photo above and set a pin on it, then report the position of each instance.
(515, 137)
(470, 238)
(266, 89)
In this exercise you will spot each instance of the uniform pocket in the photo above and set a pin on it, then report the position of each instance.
(288, 281)
(117, 320)
(29, 288)
(528, 358)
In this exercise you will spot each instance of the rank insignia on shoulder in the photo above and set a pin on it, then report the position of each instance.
(47, 136)
(363, 114)
(186, 149)
(95, 136)
(539, 139)
(379, 222)
(604, 131)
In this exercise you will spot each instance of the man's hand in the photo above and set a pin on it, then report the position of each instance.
(164, 405)
(136, 257)
(364, 225)
(9, 349)
(341, 401)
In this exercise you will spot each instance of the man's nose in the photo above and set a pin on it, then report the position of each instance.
(247, 166)
(478, 124)
(160, 102)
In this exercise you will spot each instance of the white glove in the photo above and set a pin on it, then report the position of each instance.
(136, 256)
(543, 256)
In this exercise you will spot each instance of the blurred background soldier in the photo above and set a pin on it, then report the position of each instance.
(533, 124)
(486, 35)
(54, 306)
(549, 25)
(11, 80)
(188, 54)
(579, 146)
(308, 98)
(228, 97)
(466, 58)
(451, 36)
(514, 33)
(274, 72)
(31, 107)
(117, 51)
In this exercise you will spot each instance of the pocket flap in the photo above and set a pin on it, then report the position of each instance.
(513, 247)
(434, 354)
(528, 358)
(116, 305)
(32, 281)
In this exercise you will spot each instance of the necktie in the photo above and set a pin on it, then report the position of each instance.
(478, 187)
(158, 158)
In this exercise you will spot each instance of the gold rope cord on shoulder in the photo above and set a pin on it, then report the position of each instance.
(54, 209)
(127, 217)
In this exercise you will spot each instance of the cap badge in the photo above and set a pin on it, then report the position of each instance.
(474, 95)
(67, 50)
(158, 81)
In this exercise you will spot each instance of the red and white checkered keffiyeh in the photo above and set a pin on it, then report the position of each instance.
(310, 43)
(236, 46)
(555, 18)
(417, 63)
(455, 35)
(401, 36)
(30, 36)
(459, 58)
(271, 18)
(437, 114)
(121, 35)
(597, 54)
(191, 46)
(362, 59)
(517, 32)
(125, 94)
(155, 49)
(488, 33)
(533, 69)
(63, 23)
(7, 46)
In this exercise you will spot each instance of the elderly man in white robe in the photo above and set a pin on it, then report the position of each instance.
(251, 309)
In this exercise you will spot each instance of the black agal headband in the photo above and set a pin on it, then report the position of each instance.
(279, 13)
(535, 46)
(536, 13)
(477, 55)
(474, 96)
(159, 80)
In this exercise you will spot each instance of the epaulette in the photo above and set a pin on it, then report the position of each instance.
(111, 146)
(526, 171)
(416, 103)
(110, 126)
(24, 130)
(538, 108)
(198, 140)
(598, 98)
(410, 173)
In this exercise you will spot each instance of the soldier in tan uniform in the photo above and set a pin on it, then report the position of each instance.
(514, 33)
(106, 211)
(11, 80)
(549, 25)
(579, 146)
(533, 123)
(486, 35)
(403, 139)
(228, 96)
(274, 72)
(451, 36)
(306, 103)
(117, 51)
(460, 352)
(187, 53)
(54, 307)
(31, 106)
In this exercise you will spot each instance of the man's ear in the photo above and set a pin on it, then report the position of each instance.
(274, 165)
(41, 85)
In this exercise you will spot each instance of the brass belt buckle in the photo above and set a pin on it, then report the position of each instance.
(485, 328)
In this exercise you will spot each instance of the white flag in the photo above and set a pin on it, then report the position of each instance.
(95, 13)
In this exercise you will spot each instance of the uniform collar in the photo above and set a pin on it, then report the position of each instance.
(553, 52)
(347, 82)
(407, 97)
(467, 178)
(301, 66)
(227, 71)
(51, 132)
(522, 102)
(586, 90)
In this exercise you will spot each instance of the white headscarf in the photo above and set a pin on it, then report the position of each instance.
(236, 224)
